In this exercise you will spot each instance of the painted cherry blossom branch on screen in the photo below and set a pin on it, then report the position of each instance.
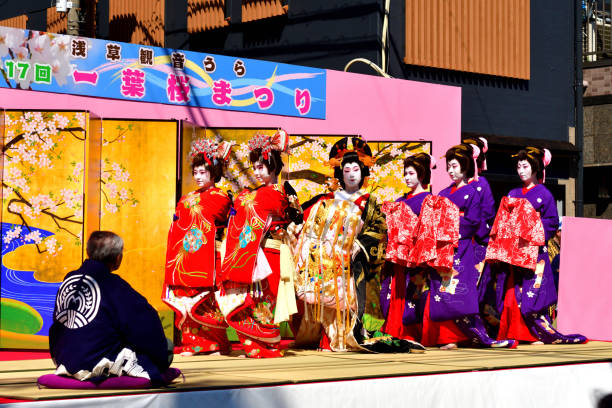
(115, 177)
(385, 181)
(385, 174)
(33, 148)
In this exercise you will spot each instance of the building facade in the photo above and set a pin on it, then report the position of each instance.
(597, 51)
(516, 61)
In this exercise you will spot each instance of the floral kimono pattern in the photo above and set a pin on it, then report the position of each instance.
(401, 223)
(402, 286)
(192, 264)
(524, 293)
(517, 234)
(451, 309)
(437, 233)
(251, 269)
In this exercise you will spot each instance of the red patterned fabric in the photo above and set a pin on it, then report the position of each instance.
(512, 325)
(256, 211)
(190, 256)
(436, 233)
(516, 234)
(393, 323)
(401, 222)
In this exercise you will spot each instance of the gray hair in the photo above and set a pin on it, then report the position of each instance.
(104, 246)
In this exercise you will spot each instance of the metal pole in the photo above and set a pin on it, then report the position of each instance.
(578, 108)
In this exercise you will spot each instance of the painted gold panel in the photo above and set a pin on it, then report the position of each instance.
(42, 218)
(138, 197)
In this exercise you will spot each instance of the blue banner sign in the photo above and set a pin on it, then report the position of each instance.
(84, 66)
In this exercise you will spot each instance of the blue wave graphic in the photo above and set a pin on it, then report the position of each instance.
(21, 285)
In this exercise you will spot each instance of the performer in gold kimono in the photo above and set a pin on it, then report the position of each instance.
(340, 247)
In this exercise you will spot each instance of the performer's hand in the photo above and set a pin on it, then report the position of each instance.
(295, 229)
(355, 250)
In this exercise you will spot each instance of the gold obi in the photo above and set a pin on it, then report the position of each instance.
(324, 252)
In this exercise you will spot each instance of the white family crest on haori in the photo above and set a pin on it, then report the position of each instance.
(78, 301)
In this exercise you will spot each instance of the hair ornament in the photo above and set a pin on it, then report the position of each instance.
(475, 154)
(350, 144)
(485, 147)
(539, 155)
(547, 157)
(279, 141)
(432, 162)
(211, 150)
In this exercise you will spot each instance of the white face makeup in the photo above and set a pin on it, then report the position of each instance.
(202, 177)
(261, 173)
(453, 168)
(411, 177)
(523, 168)
(351, 174)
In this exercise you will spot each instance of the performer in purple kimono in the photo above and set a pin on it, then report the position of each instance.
(488, 209)
(486, 202)
(401, 293)
(523, 296)
(451, 311)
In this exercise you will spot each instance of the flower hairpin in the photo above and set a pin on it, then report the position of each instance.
(211, 150)
(279, 141)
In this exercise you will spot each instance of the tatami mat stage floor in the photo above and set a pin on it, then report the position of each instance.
(18, 378)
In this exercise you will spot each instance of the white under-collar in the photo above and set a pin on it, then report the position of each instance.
(342, 194)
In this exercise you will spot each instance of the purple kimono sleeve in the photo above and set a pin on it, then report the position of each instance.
(549, 215)
(470, 221)
(487, 211)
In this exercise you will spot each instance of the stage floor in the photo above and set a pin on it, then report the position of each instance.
(18, 378)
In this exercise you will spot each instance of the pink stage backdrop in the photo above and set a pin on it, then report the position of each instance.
(373, 107)
(585, 303)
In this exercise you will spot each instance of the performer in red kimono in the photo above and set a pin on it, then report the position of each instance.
(521, 274)
(192, 257)
(451, 310)
(341, 246)
(251, 269)
(402, 287)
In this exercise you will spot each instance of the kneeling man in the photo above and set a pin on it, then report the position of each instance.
(103, 327)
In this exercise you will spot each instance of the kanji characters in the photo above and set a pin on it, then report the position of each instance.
(113, 52)
(145, 56)
(79, 48)
(19, 71)
(177, 88)
(178, 60)
(132, 83)
(42, 73)
(90, 77)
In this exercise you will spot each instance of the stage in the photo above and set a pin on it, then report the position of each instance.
(546, 375)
